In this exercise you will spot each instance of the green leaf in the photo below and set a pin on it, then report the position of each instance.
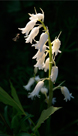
(6, 115)
(45, 114)
(15, 121)
(14, 95)
(26, 117)
(6, 99)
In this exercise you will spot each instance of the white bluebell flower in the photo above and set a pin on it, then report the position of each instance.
(29, 26)
(66, 93)
(37, 16)
(30, 83)
(56, 45)
(36, 90)
(32, 34)
(40, 62)
(41, 42)
(54, 73)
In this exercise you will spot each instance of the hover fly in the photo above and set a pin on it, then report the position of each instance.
(16, 37)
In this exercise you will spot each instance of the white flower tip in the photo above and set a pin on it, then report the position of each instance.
(59, 51)
(29, 14)
(26, 87)
(42, 11)
(19, 28)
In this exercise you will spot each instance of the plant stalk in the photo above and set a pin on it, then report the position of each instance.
(50, 66)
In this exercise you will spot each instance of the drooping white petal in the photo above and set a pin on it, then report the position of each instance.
(41, 42)
(46, 65)
(32, 35)
(29, 26)
(38, 16)
(66, 93)
(38, 55)
(36, 90)
(54, 73)
(40, 62)
(44, 48)
(30, 83)
(56, 45)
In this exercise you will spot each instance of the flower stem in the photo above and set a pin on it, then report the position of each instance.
(50, 66)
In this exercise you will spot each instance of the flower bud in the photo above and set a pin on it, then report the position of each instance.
(44, 90)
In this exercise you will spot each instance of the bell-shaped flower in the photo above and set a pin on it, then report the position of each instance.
(66, 93)
(28, 27)
(32, 35)
(46, 65)
(54, 73)
(41, 42)
(37, 78)
(40, 62)
(56, 45)
(37, 16)
(44, 90)
(30, 83)
(36, 90)
(39, 54)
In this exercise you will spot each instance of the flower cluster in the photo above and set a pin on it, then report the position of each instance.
(44, 61)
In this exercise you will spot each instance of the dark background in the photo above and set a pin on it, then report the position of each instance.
(16, 62)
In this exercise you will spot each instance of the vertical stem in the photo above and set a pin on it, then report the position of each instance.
(50, 67)
(50, 82)
(50, 85)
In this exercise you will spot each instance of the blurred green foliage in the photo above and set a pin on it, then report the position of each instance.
(16, 62)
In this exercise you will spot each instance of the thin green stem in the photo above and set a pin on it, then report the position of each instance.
(50, 65)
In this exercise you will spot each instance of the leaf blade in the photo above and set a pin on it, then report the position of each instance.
(6, 99)
(15, 96)
(45, 114)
